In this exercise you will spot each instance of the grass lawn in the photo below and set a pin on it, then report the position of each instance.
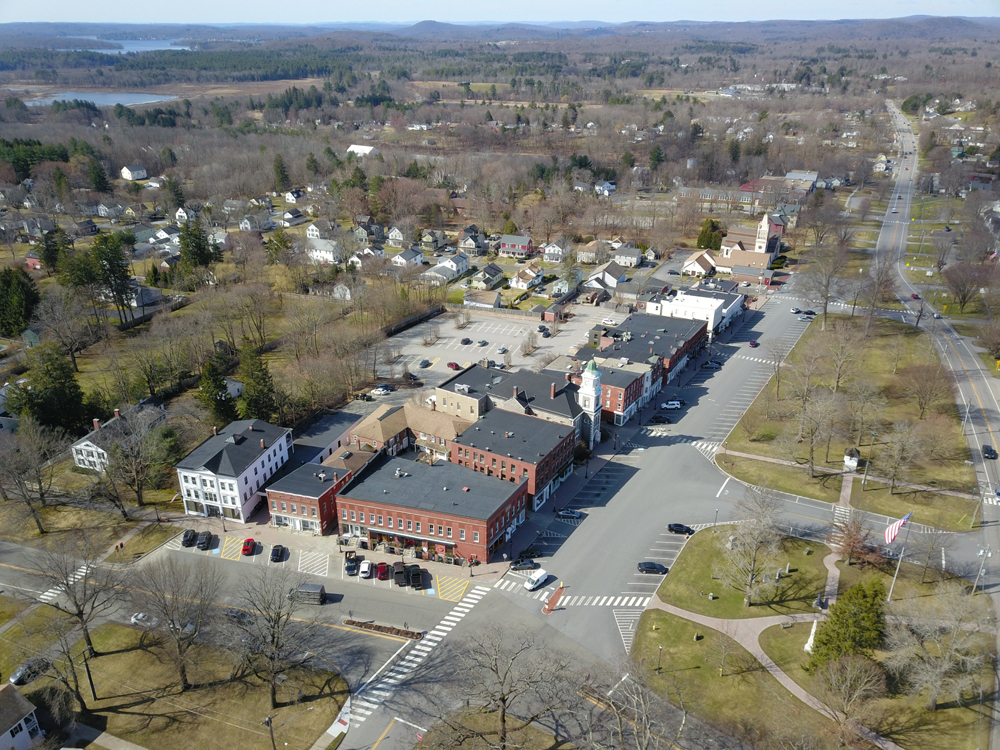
(930, 508)
(440, 737)
(747, 701)
(690, 580)
(794, 480)
(946, 451)
(28, 636)
(144, 541)
(991, 364)
(904, 720)
(11, 608)
(455, 296)
(66, 527)
(139, 701)
(912, 582)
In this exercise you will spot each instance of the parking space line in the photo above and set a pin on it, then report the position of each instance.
(231, 548)
(450, 588)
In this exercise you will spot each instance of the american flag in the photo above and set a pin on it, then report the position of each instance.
(892, 531)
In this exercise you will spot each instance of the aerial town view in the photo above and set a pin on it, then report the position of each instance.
(509, 380)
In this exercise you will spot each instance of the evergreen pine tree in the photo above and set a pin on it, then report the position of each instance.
(854, 626)
(312, 163)
(281, 178)
(18, 298)
(51, 397)
(215, 395)
(195, 248)
(259, 400)
(174, 193)
(98, 178)
(656, 158)
(55, 245)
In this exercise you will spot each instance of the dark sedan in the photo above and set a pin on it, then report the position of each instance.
(652, 567)
(277, 553)
(679, 528)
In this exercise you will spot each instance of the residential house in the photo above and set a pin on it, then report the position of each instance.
(369, 252)
(91, 451)
(225, 475)
(32, 262)
(409, 258)
(528, 277)
(362, 151)
(323, 252)
(606, 276)
(699, 263)
(651, 255)
(482, 300)
(85, 228)
(232, 207)
(19, 727)
(134, 172)
(156, 182)
(110, 210)
(516, 246)
(370, 232)
(628, 256)
(292, 217)
(294, 196)
(168, 263)
(256, 222)
(397, 238)
(457, 263)
(262, 202)
(605, 188)
(558, 251)
(321, 229)
(437, 276)
(595, 251)
(563, 285)
(473, 241)
(488, 277)
(185, 214)
(169, 233)
(432, 240)
(144, 233)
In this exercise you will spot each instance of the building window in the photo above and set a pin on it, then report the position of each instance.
(389, 522)
(343, 513)
(380, 520)
(461, 535)
(313, 511)
(449, 532)
(430, 529)
(440, 531)
(352, 515)
(371, 518)
(282, 507)
(409, 525)
(475, 536)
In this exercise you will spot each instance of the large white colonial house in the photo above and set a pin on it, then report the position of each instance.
(225, 475)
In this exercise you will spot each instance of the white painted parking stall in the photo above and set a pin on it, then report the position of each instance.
(375, 692)
(314, 563)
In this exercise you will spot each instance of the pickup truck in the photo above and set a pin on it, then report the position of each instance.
(414, 576)
(399, 573)
(351, 562)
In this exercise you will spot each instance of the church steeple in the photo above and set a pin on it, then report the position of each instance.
(763, 230)
(589, 398)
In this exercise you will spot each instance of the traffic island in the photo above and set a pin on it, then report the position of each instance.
(553, 602)
(386, 629)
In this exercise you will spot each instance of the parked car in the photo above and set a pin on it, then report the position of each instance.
(808, 312)
(652, 567)
(937, 315)
(414, 577)
(351, 562)
(143, 620)
(205, 540)
(399, 573)
(386, 386)
(29, 670)
(454, 366)
(249, 546)
(382, 571)
(568, 513)
(541, 328)
(679, 528)
(277, 553)
(466, 342)
(502, 350)
(362, 397)
(380, 391)
(989, 452)
(711, 366)
(796, 311)
(754, 344)
(186, 630)
(240, 616)
(806, 318)
(536, 579)
(190, 538)
(672, 404)
(365, 571)
(546, 334)
(659, 419)
(673, 273)
(484, 342)
(523, 564)
(609, 322)
(424, 363)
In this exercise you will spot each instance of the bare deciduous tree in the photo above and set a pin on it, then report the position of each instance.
(26, 466)
(897, 452)
(964, 280)
(136, 449)
(842, 348)
(180, 596)
(925, 384)
(753, 551)
(822, 277)
(776, 353)
(62, 316)
(852, 540)
(849, 685)
(632, 716)
(529, 344)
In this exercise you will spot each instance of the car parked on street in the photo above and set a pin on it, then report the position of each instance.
(502, 350)
(753, 343)
(808, 312)
(249, 546)
(541, 328)
(277, 553)
(806, 318)
(609, 322)
(383, 571)
(796, 311)
(568, 513)
(30, 670)
(380, 391)
(652, 567)
(424, 363)
(190, 538)
(659, 419)
(362, 397)
(672, 404)
(143, 620)
(365, 571)
(672, 272)
(484, 342)
(710, 365)
(523, 564)
(205, 540)
(679, 528)
(351, 562)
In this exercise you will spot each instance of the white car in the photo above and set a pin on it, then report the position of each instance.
(380, 392)
(366, 569)
(142, 620)
(671, 405)
(610, 322)
(502, 350)
(536, 579)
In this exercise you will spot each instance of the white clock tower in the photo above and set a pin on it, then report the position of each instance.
(589, 397)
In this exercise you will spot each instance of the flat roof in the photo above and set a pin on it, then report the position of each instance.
(443, 488)
(534, 389)
(304, 481)
(313, 437)
(522, 437)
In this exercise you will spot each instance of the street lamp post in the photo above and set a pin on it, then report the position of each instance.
(979, 506)
(871, 450)
(659, 655)
(983, 553)
(716, 524)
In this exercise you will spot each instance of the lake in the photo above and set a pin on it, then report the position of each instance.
(101, 99)
(136, 45)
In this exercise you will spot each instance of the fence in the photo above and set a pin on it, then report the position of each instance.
(494, 310)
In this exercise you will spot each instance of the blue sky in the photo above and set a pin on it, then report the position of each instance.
(402, 11)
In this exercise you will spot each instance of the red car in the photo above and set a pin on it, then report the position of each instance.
(754, 344)
(383, 571)
(249, 546)
(454, 366)
(914, 296)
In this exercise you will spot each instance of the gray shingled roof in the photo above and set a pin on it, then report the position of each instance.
(235, 448)
(13, 707)
(442, 488)
(528, 439)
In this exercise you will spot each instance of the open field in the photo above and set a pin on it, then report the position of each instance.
(794, 480)
(693, 576)
(930, 508)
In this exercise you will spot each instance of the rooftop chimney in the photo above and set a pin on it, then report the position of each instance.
(250, 427)
(434, 405)
(515, 391)
(215, 430)
(117, 413)
(334, 476)
(552, 391)
(97, 424)
(262, 443)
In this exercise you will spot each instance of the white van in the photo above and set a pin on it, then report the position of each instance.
(537, 579)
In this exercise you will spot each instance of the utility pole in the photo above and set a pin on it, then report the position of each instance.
(983, 553)
(871, 449)
(270, 726)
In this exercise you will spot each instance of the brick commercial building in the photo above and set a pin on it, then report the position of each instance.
(442, 509)
(303, 500)
(398, 428)
(513, 446)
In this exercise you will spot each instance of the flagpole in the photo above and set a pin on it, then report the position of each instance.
(902, 552)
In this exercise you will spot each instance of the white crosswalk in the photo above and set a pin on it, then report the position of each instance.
(374, 693)
(53, 592)
(604, 601)
(627, 621)
(515, 585)
(314, 563)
